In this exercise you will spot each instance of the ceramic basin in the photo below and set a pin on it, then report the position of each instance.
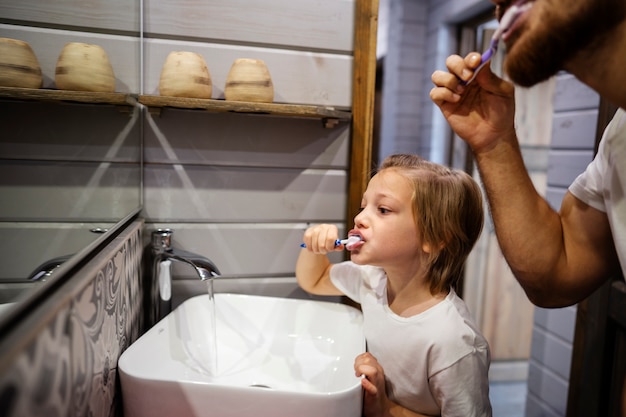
(275, 357)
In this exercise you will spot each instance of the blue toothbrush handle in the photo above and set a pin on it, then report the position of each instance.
(337, 243)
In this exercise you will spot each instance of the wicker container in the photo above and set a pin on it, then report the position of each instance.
(84, 67)
(19, 66)
(249, 80)
(185, 74)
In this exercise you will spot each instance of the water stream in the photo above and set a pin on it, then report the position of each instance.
(212, 330)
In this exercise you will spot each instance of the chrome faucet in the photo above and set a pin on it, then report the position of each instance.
(162, 255)
(46, 269)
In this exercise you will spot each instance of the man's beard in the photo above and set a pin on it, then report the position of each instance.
(541, 53)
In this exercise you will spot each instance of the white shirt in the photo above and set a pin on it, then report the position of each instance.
(603, 184)
(435, 362)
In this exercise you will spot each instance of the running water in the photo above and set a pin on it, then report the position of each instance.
(212, 330)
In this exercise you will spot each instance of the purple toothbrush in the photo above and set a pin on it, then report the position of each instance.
(506, 22)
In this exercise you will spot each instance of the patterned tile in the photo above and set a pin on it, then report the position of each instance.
(70, 367)
(38, 383)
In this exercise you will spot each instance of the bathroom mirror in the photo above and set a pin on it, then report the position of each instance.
(70, 170)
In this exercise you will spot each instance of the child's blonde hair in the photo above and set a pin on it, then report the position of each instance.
(448, 210)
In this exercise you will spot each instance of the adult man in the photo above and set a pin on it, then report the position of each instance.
(558, 258)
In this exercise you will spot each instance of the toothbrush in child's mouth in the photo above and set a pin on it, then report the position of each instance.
(349, 243)
(507, 21)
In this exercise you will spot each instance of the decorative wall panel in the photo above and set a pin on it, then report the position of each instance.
(65, 363)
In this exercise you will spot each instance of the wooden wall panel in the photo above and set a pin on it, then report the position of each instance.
(299, 77)
(572, 130)
(244, 140)
(67, 191)
(68, 132)
(246, 194)
(116, 15)
(43, 241)
(506, 309)
(556, 353)
(552, 388)
(571, 94)
(63, 162)
(293, 24)
(123, 52)
(564, 166)
(255, 249)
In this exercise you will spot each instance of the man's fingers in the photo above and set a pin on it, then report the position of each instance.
(440, 95)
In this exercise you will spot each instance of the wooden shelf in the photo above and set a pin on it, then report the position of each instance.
(329, 115)
(118, 99)
(290, 110)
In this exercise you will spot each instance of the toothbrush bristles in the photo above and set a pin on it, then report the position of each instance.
(349, 241)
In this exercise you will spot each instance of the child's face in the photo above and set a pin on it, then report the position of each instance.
(386, 223)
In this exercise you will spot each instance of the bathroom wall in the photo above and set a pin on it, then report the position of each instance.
(240, 188)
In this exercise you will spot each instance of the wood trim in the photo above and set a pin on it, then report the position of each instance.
(278, 109)
(89, 97)
(586, 382)
(617, 365)
(363, 97)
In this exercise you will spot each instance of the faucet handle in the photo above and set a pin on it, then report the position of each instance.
(162, 239)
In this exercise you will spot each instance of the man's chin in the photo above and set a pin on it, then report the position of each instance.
(529, 69)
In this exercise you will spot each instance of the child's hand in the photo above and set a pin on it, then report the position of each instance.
(375, 400)
(321, 239)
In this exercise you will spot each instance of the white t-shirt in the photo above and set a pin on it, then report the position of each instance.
(435, 362)
(603, 184)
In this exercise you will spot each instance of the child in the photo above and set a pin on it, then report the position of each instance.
(417, 224)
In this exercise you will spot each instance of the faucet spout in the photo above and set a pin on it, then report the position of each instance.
(160, 276)
(204, 266)
(46, 269)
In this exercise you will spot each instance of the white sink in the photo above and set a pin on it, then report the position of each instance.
(275, 357)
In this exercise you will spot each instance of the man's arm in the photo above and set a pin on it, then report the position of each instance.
(558, 258)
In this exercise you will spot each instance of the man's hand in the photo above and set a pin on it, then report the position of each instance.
(480, 112)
